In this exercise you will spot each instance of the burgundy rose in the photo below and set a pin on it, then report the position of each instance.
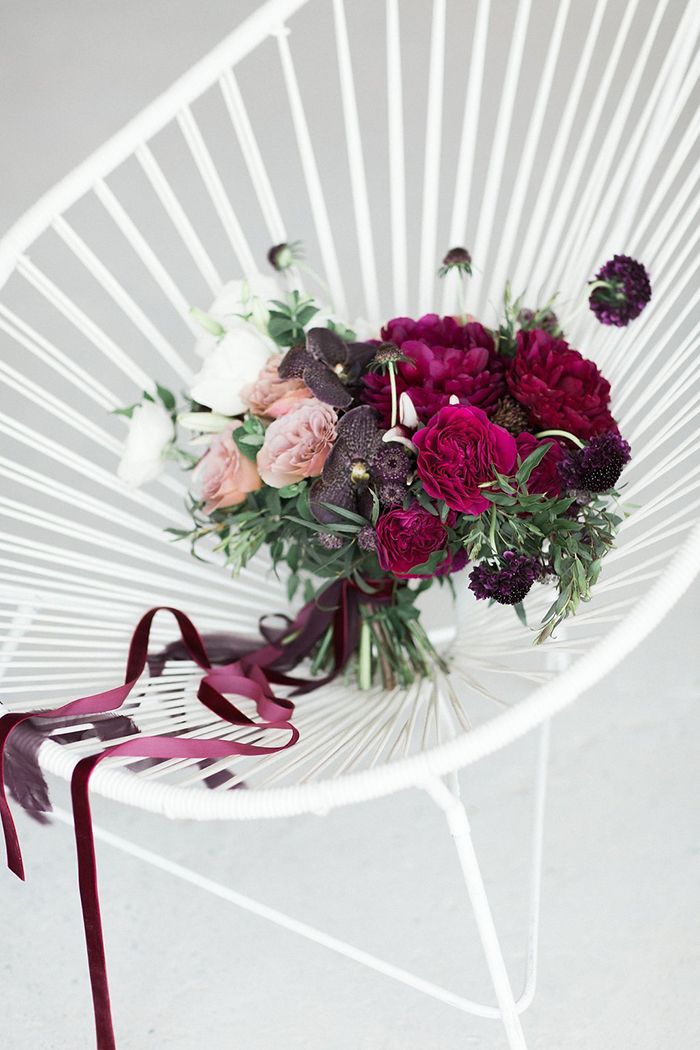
(407, 538)
(545, 478)
(458, 451)
(560, 387)
(445, 358)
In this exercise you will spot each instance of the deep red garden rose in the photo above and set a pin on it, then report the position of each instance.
(545, 478)
(458, 451)
(560, 387)
(407, 538)
(446, 358)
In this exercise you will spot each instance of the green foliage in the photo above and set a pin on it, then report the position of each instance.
(288, 320)
(249, 437)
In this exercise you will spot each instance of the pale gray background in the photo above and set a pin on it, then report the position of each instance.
(620, 958)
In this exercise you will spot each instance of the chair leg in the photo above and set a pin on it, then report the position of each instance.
(458, 822)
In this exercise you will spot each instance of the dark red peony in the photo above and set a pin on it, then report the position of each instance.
(546, 477)
(457, 452)
(446, 358)
(406, 539)
(561, 389)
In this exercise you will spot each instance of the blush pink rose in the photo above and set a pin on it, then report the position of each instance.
(225, 476)
(274, 397)
(297, 444)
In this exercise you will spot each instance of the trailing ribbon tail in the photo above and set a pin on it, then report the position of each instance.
(250, 675)
(249, 682)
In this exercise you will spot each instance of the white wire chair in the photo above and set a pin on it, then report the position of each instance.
(544, 169)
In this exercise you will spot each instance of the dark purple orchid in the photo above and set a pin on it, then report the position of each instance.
(359, 457)
(328, 365)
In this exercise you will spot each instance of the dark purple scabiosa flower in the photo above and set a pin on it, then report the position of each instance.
(327, 365)
(392, 462)
(456, 259)
(392, 493)
(367, 539)
(597, 466)
(507, 583)
(441, 358)
(621, 290)
(347, 472)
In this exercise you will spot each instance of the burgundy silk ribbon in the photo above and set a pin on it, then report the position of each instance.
(249, 676)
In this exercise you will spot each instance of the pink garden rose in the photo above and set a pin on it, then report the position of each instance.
(545, 478)
(458, 451)
(297, 444)
(224, 474)
(560, 388)
(274, 397)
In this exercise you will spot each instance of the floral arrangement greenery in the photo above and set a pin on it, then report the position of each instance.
(391, 462)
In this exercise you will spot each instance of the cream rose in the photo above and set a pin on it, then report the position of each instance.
(298, 444)
(234, 363)
(151, 431)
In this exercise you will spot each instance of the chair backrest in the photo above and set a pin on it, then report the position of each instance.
(544, 136)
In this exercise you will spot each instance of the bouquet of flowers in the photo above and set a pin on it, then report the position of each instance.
(375, 467)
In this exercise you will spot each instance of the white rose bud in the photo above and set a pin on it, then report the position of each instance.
(151, 430)
(235, 361)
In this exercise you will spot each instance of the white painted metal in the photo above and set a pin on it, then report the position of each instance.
(96, 283)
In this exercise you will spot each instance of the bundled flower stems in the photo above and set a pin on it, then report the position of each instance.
(374, 464)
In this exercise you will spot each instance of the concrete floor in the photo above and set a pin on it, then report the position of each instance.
(620, 963)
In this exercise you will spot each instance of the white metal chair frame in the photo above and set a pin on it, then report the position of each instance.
(72, 587)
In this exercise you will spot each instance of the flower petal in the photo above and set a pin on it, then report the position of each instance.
(359, 432)
(325, 384)
(338, 492)
(293, 363)
(326, 346)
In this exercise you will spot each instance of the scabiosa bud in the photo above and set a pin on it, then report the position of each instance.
(545, 319)
(621, 291)
(597, 466)
(456, 259)
(367, 539)
(282, 256)
(507, 583)
(386, 354)
(330, 540)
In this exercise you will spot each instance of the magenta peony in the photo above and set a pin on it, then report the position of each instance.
(271, 396)
(458, 451)
(298, 444)
(405, 539)
(446, 358)
(545, 478)
(224, 475)
(561, 389)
